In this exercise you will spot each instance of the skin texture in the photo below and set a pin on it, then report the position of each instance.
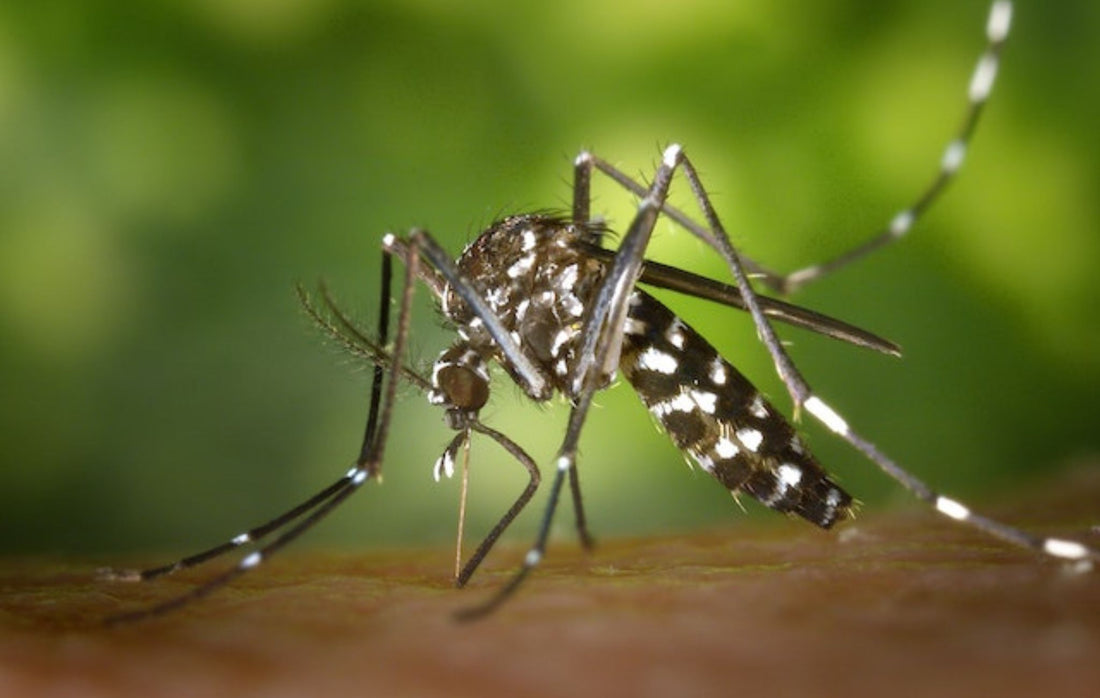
(892, 604)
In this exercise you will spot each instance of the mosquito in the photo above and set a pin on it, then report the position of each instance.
(540, 296)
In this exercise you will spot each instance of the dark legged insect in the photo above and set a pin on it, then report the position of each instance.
(539, 296)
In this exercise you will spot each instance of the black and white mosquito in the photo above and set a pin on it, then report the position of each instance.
(541, 297)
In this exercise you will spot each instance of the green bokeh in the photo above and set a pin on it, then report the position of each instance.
(168, 171)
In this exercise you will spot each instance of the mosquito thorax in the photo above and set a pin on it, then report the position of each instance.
(538, 282)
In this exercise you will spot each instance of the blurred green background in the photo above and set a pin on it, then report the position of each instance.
(169, 170)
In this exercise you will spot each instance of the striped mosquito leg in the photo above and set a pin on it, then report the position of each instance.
(981, 85)
(367, 466)
(951, 508)
(716, 416)
(258, 533)
(253, 535)
(350, 483)
(978, 92)
(803, 396)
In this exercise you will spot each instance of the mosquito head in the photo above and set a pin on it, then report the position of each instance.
(460, 384)
(463, 392)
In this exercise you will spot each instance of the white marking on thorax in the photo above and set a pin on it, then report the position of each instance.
(564, 335)
(568, 278)
(529, 240)
(521, 266)
(572, 304)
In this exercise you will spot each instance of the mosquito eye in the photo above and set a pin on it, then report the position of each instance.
(463, 387)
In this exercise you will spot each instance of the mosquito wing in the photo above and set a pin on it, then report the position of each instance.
(675, 279)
